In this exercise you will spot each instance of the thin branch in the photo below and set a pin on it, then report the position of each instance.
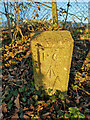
(7, 15)
(67, 13)
(3, 13)
(84, 90)
(58, 10)
(44, 4)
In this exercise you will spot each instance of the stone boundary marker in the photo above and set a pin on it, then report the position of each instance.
(51, 56)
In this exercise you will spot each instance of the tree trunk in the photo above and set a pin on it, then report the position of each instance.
(18, 14)
(54, 13)
(7, 15)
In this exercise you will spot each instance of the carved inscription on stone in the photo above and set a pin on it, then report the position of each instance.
(52, 52)
(50, 63)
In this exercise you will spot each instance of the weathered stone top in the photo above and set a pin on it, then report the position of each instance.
(59, 38)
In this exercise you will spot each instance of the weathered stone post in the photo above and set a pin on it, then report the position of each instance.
(52, 55)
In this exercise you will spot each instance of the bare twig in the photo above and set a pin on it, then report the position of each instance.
(67, 12)
(7, 15)
(84, 90)
(58, 10)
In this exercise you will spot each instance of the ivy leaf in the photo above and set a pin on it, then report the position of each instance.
(75, 116)
(50, 90)
(38, 92)
(86, 110)
(67, 115)
(61, 96)
(15, 93)
(53, 98)
(24, 99)
(22, 89)
(60, 114)
(18, 82)
(74, 110)
(32, 89)
(24, 104)
(21, 114)
(81, 115)
(48, 104)
(8, 96)
(9, 104)
(29, 102)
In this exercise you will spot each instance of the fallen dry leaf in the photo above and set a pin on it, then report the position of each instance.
(17, 104)
(4, 107)
(32, 34)
(15, 116)
(26, 116)
(87, 117)
(5, 76)
(46, 114)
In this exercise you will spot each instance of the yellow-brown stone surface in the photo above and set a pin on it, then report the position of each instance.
(51, 56)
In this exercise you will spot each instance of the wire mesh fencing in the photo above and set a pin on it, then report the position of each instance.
(69, 13)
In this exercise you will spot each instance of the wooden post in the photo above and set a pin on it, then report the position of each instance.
(54, 12)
